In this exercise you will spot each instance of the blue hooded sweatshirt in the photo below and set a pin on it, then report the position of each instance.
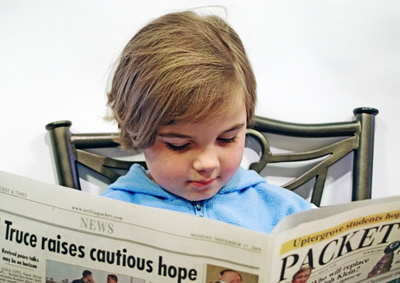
(247, 200)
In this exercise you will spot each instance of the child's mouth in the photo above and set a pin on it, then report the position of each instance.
(202, 183)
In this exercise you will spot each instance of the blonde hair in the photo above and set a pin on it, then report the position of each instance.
(181, 67)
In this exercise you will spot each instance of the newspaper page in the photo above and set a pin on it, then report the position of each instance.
(52, 234)
(356, 242)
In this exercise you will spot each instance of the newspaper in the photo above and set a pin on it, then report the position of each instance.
(49, 233)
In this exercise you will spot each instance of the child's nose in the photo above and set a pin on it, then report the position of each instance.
(206, 160)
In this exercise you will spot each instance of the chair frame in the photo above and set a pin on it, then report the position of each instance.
(69, 149)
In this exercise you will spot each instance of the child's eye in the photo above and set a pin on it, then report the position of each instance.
(230, 140)
(177, 147)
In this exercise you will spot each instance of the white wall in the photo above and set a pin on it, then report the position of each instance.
(314, 60)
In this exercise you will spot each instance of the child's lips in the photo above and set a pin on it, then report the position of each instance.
(202, 183)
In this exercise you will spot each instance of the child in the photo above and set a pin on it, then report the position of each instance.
(184, 92)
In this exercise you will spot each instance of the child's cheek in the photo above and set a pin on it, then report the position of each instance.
(174, 168)
(232, 161)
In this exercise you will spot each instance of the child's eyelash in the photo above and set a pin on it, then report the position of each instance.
(177, 147)
(228, 140)
(185, 146)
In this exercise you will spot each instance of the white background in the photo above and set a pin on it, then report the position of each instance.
(315, 61)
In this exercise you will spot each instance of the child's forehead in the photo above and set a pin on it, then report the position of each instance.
(223, 121)
(217, 111)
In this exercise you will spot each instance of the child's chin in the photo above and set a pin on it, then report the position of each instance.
(200, 197)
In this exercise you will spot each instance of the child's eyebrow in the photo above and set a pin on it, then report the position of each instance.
(174, 135)
(181, 136)
(236, 127)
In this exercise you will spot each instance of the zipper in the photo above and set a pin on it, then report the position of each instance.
(198, 208)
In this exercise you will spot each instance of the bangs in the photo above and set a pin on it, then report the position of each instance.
(206, 102)
(180, 68)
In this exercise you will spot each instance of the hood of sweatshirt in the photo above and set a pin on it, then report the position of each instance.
(136, 181)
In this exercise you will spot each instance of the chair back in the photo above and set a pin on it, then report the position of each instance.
(357, 137)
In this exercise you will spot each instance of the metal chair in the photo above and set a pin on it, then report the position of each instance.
(70, 149)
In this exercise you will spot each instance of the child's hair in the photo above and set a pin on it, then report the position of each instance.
(181, 67)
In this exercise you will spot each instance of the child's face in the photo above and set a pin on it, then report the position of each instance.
(195, 160)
